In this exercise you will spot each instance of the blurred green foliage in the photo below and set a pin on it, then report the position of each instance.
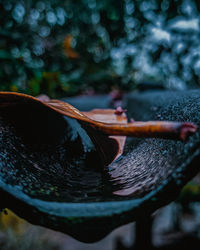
(67, 47)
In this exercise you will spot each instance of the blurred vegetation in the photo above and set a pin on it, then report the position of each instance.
(63, 48)
(16, 233)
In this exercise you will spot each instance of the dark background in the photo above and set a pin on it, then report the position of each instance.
(72, 47)
(65, 48)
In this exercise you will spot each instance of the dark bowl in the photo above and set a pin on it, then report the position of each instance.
(51, 173)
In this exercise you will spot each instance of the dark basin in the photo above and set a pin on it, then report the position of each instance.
(51, 174)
